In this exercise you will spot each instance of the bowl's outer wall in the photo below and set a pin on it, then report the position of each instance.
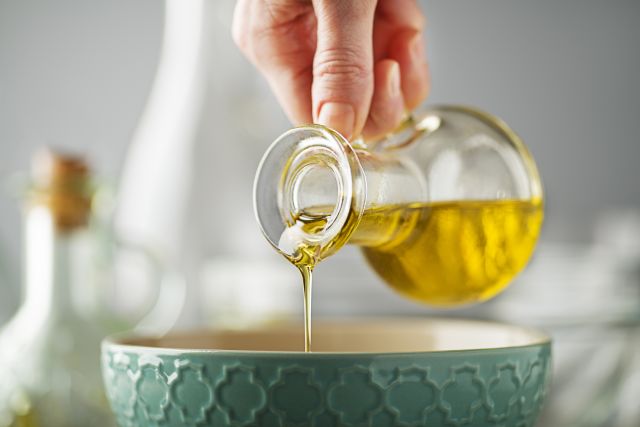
(496, 387)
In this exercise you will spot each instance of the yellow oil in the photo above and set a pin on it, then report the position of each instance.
(23, 413)
(452, 253)
(25, 420)
(305, 258)
(440, 253)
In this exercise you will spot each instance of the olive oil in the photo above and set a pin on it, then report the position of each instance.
(452, 253)
(305, 256)
(440, 253)
(25, 420)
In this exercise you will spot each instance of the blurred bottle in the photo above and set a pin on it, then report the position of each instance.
(49, 351)
(185, 188)
(5, 303)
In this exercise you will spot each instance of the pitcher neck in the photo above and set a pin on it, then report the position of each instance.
(312, 187)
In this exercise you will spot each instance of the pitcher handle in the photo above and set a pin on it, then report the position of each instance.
(169, 296)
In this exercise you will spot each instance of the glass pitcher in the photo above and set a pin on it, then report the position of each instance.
(447, 209)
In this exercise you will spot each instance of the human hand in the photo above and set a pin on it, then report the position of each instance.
(354, 65)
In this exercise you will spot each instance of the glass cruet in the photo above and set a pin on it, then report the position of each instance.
(50, 348)
(446, 209)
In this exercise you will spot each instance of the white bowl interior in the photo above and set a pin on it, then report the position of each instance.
(373, 336)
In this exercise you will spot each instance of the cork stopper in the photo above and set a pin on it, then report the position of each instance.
(61, 182)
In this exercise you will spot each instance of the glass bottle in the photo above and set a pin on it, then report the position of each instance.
(447, 209)
(49, 351)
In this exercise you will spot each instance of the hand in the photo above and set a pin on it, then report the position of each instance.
(354, 65)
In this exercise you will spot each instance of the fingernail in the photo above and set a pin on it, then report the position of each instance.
(417, 48)
(394, 80)
(338, 116)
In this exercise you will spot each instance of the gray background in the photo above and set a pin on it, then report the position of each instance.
(564, 74)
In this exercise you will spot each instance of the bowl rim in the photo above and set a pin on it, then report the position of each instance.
(113, 342)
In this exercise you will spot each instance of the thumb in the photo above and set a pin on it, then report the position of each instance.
(343, 64)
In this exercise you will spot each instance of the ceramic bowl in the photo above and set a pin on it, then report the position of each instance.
(392, 372)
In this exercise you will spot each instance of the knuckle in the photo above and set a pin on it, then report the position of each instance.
(239, 37)
(348, 6)
(246, 42)
(341, 65)
(420, 17)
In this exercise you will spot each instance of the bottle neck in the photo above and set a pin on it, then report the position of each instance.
(50, 256)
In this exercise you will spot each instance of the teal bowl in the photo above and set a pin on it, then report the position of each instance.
(392, 372)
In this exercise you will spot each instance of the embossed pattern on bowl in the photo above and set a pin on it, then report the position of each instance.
(433, 372)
